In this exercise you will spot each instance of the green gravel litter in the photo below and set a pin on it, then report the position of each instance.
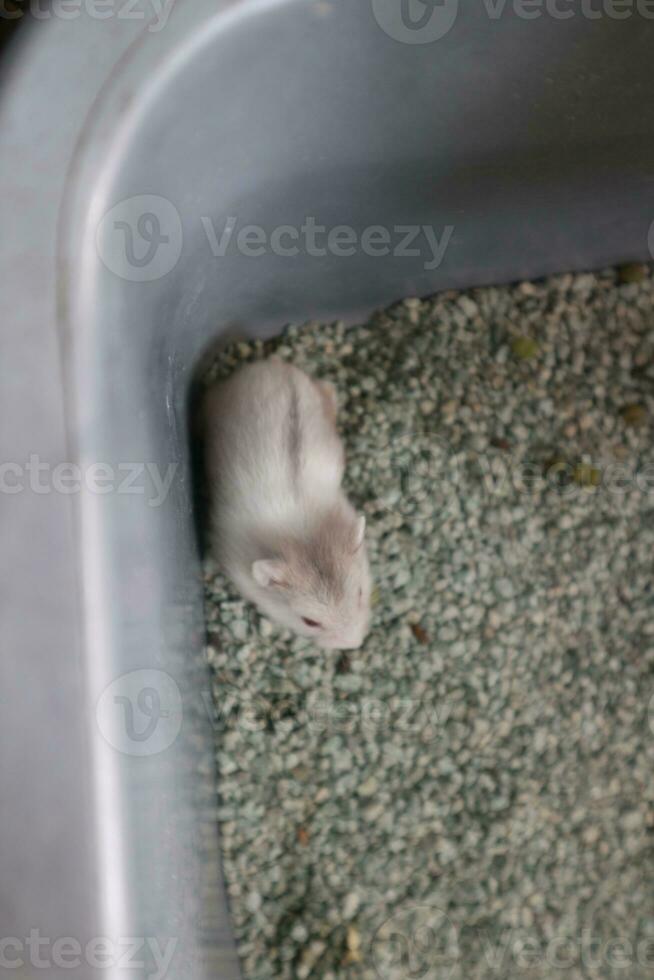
(469, 795)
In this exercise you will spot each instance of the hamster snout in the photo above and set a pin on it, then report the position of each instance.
(281, 526)
(350, 641)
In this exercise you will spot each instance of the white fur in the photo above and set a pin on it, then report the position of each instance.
(282, 528)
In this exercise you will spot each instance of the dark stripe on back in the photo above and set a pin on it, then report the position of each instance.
(294, 433)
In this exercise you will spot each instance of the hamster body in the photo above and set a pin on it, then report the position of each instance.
(281, 526)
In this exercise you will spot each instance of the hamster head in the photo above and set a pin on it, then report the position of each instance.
(318, 583)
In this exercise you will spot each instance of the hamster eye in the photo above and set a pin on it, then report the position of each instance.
(311, 622)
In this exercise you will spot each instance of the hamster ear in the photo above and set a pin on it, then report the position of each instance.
(270, 573)
(359, 532)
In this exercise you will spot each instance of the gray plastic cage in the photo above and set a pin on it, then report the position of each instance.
(136, 147)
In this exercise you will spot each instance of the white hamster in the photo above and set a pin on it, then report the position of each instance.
(281, 527)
